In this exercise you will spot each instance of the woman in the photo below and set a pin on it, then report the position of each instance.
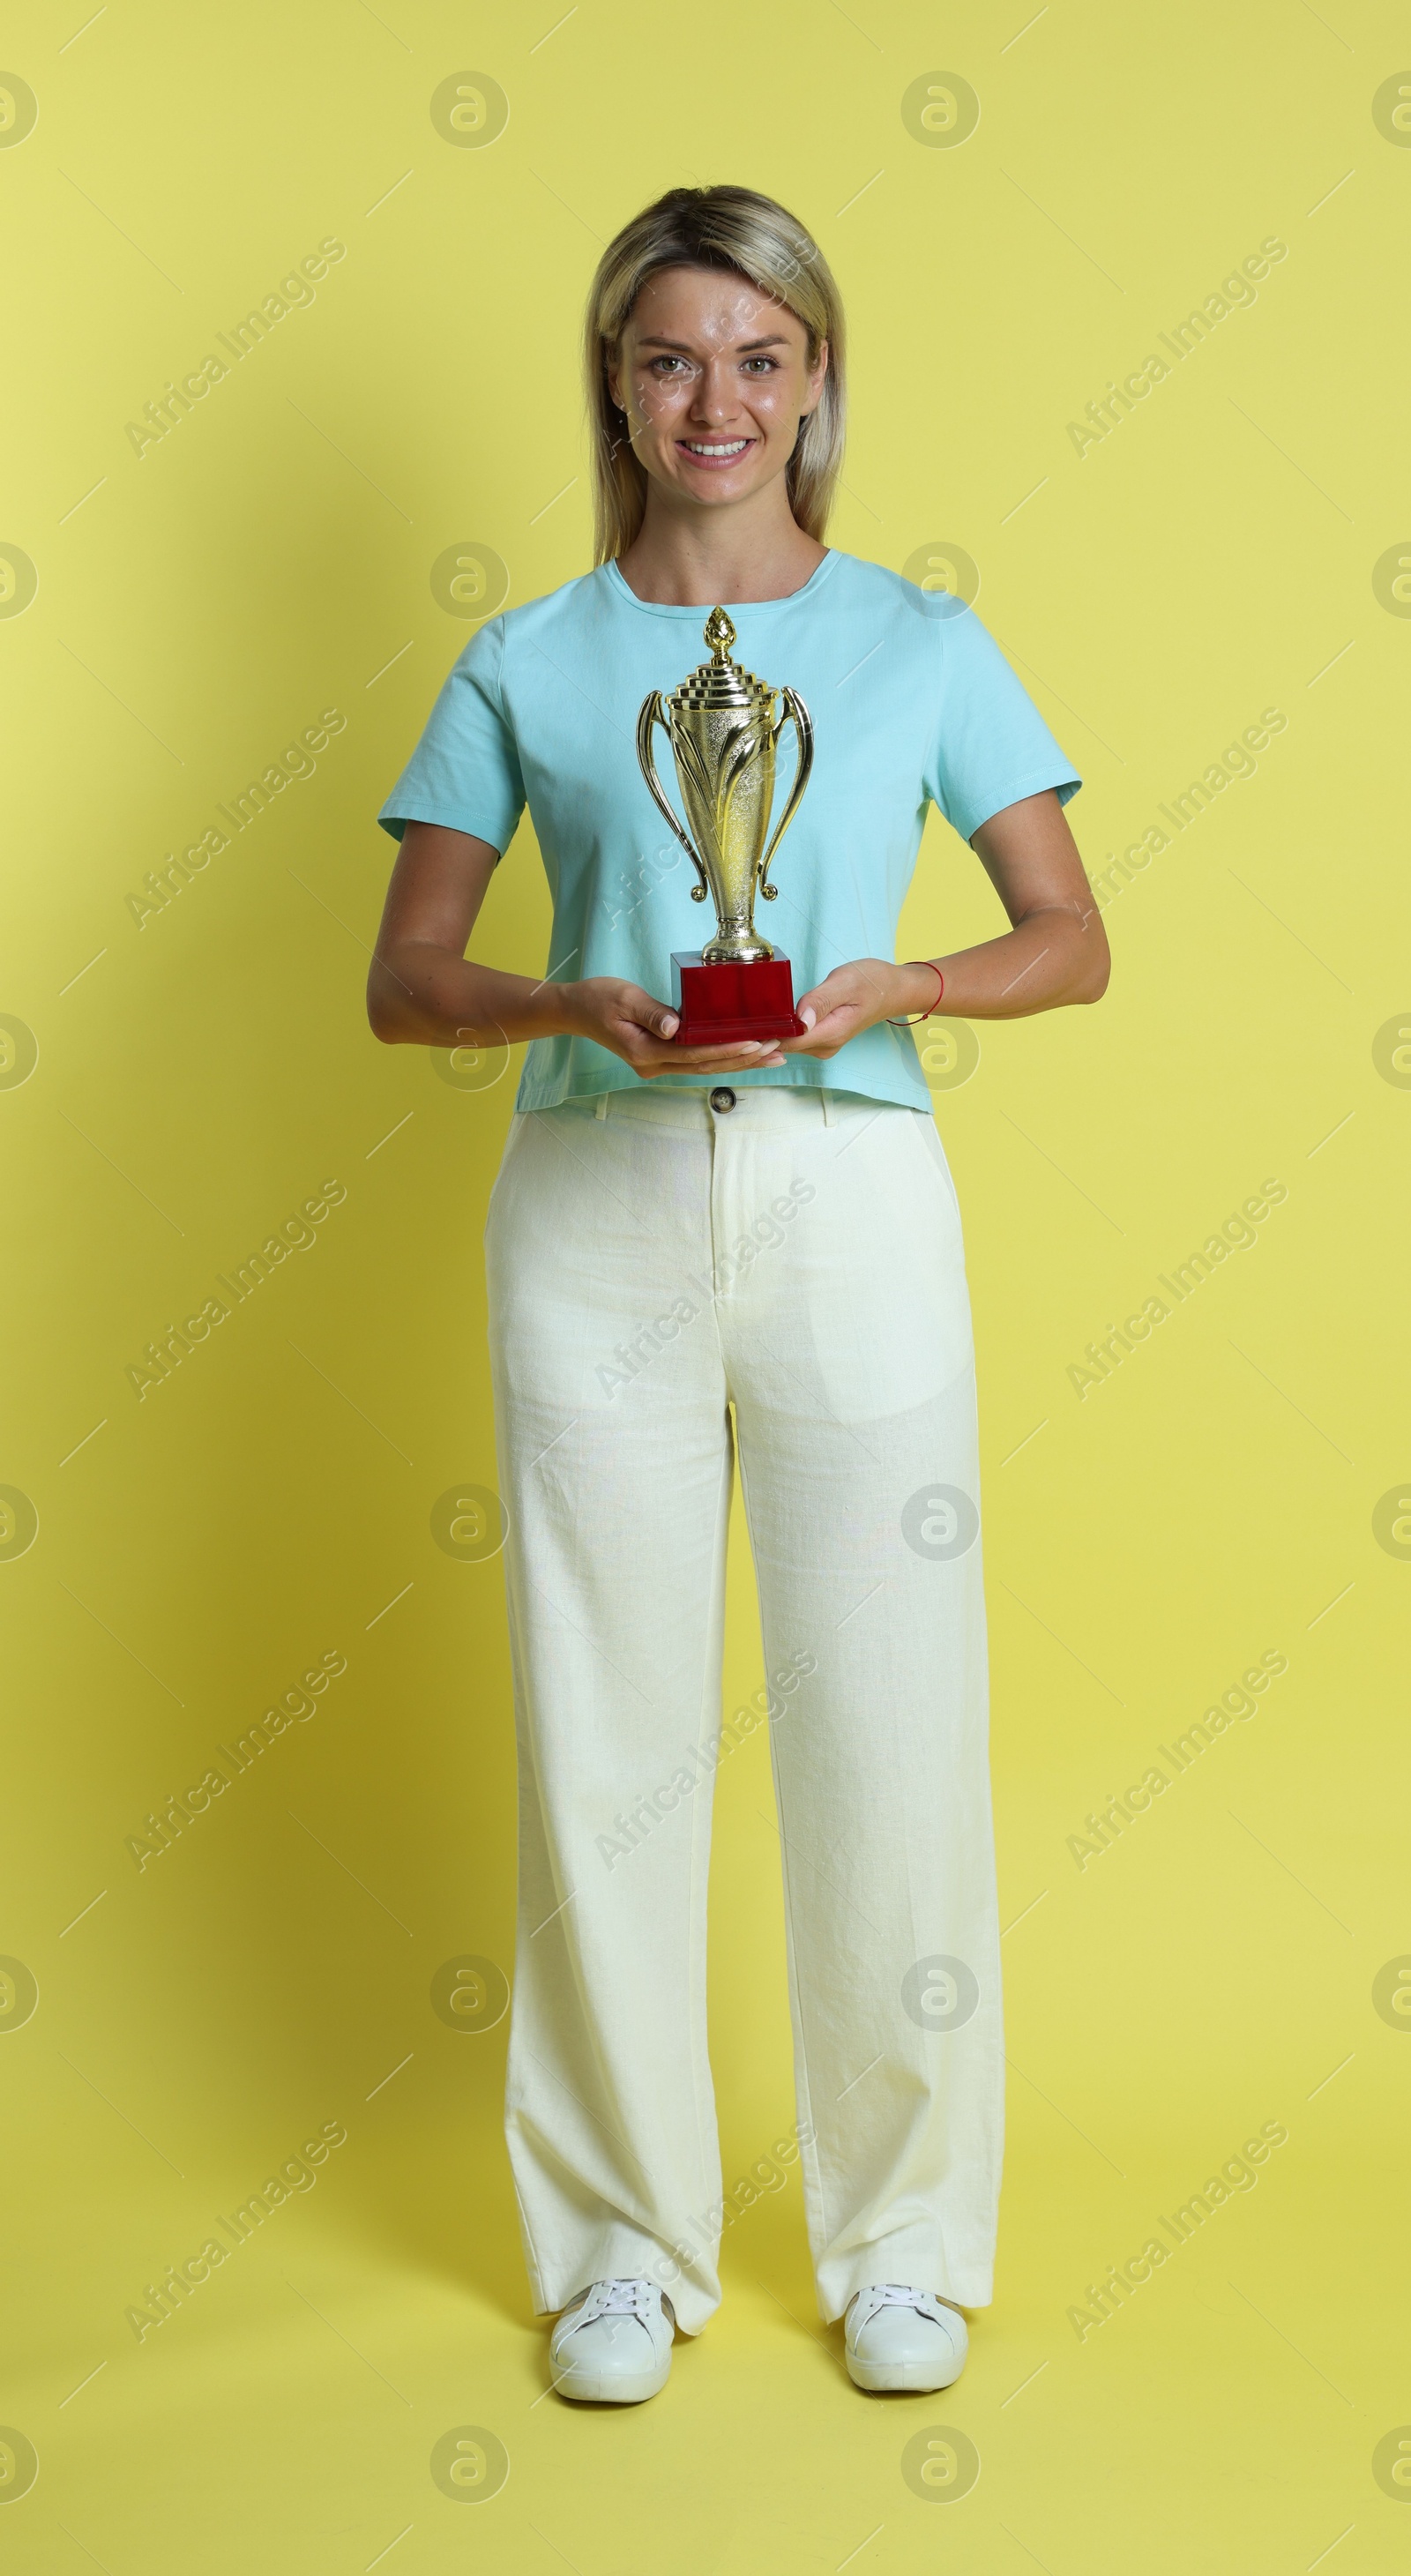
(764, 1231)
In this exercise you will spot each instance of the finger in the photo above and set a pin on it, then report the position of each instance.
(721, 1059)
(834, 990)
(741, 1056)
(720, 1072)
(831, 1030)
(643, 1012)
(713, 1052)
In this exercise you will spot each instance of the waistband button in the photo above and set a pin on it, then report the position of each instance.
(722, 1099)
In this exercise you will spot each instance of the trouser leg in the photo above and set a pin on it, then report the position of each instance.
(849, 1355)
(615, 1466)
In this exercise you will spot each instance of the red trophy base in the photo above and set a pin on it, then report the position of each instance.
(722, 1004)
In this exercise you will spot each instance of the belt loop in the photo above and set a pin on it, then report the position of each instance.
(830, 1107)
(601, 1108)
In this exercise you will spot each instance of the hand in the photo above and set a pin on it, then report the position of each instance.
(630, 1024)
(856, 997)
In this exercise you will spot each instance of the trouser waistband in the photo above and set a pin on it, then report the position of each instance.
(775, 1105)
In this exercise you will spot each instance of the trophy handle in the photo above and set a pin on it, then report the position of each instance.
(653, 713)
(803, 727)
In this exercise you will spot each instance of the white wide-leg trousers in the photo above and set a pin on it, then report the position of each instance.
(652, 1262)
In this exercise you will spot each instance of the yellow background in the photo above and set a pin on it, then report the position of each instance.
(199, 1077)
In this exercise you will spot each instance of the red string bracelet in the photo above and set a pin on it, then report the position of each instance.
(914, 1016)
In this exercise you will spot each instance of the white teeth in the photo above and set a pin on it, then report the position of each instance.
(727, 447)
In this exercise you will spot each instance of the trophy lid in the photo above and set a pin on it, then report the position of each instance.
(719, 682)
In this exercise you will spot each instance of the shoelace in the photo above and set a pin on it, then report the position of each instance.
(626, 2298)
(895, 2294)
(635, 2299)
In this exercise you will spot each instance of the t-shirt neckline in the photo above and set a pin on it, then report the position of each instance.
(622, 589)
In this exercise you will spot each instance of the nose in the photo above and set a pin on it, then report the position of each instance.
(714, 399)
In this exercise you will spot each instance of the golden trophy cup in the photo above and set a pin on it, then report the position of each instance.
(724, 733)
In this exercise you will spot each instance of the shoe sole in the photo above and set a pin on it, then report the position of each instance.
(915, 2379)
(611, 2388)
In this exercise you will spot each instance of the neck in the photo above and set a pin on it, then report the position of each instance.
(693, 558)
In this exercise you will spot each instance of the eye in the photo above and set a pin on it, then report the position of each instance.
(769, 365)
(657, 365)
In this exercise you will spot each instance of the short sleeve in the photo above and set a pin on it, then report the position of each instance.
(992, 745)
(465, 770)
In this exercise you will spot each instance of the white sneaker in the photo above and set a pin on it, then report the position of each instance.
(613, 2344)
(897, 2337)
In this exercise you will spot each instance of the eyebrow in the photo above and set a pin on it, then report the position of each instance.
(773, 340)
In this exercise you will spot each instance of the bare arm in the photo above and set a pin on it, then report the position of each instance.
(1054, 952)
(423, 990)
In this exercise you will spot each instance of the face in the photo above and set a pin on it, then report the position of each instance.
(714, 379)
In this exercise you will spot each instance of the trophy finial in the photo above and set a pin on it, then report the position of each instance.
(719, 635)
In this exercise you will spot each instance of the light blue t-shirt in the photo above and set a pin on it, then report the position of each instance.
(911, 700)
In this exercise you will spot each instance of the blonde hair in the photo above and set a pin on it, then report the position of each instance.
(726, 228)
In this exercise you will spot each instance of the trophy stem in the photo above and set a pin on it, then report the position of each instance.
(737, 943)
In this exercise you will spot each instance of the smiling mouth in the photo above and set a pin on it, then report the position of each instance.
(715, 451)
